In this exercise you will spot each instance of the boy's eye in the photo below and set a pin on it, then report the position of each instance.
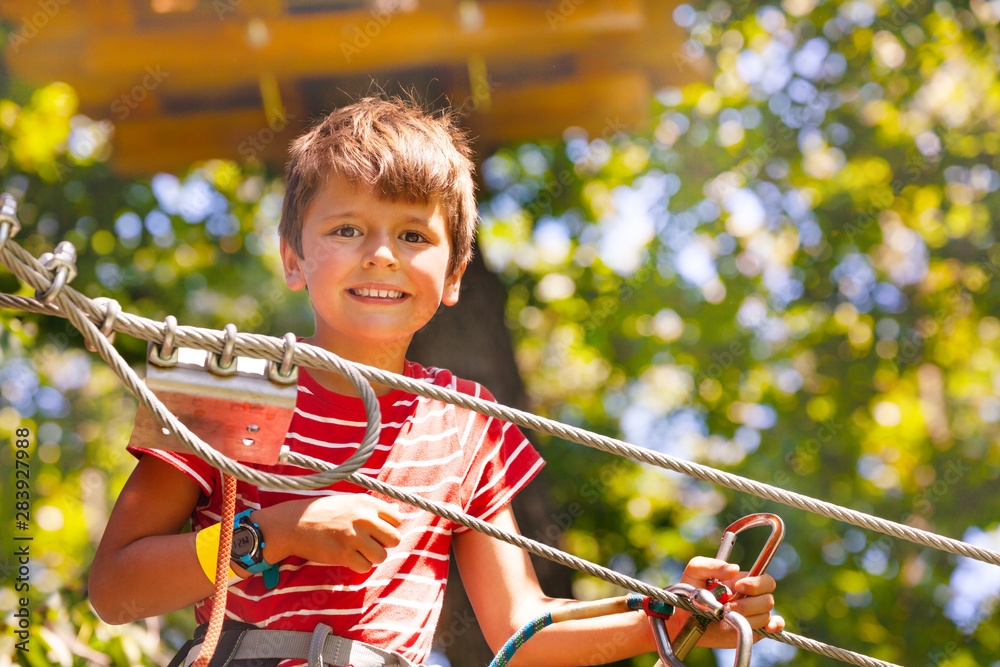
(347, 231)
(412, 237)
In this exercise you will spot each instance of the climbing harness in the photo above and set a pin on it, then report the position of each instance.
(696, 625)
(319, 648)
(86, 316)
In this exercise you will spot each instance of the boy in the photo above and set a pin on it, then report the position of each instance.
(378, 221)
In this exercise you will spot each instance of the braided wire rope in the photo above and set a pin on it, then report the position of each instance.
(266, 347)
(83, 313)
(73, 305)
(322, 467)
(696, 470)
(569, 560)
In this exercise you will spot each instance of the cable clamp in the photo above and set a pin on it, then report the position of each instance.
(165, 354)
(287, 373)
(112, 309)
(9, 224)
(224, 365)
(63, 263)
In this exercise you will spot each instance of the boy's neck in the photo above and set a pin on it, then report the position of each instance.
(383, 359)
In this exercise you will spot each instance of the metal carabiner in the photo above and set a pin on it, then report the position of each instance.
(696, 626)
(744, 637)
(702, 600)
(770, 547)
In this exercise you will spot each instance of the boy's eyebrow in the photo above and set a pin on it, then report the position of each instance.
(412, 219)
(337, 216)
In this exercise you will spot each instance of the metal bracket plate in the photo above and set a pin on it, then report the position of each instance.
(243, 416)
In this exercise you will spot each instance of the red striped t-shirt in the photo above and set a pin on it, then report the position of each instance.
(437, 450)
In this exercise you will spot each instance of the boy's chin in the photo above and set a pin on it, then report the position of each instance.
(373, 347)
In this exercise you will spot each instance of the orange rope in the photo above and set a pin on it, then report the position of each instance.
(221, 573)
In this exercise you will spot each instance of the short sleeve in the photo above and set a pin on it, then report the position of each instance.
(203, 474)
(503, 463)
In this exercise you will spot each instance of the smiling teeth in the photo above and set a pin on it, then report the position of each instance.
(380, 293)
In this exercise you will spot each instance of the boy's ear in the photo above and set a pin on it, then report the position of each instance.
(452, 286)
(294, 276)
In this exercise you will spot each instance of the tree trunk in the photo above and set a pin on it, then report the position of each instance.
(472, 341)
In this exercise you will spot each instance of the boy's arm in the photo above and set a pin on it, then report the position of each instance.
(506, 595)
(144, 566)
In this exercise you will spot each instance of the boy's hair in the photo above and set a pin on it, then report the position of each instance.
(399, 150)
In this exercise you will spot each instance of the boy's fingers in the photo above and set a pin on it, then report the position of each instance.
(392, 515)
(388, 538)
(372, 551)
(383, 531)
(757, 620)
(766, 623)
(701, 568)
(758, 604)
(356, 561)
(388, 511)
(759, 585)
(775, 624)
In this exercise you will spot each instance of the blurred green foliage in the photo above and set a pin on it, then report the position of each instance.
(203, 248)
(791, 274)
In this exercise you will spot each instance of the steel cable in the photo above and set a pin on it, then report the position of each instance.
(87, 315)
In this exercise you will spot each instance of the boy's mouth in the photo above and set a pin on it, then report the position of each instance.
(377, 293)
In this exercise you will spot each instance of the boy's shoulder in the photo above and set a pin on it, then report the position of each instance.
(439, 377)
(442, 377)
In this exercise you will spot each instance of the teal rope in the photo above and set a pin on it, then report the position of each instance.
(658, 607)
(635, 603)
(521, 636)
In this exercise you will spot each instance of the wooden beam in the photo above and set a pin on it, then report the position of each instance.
(602, 105)
(205, 55)
(146, 145)
(182, 86)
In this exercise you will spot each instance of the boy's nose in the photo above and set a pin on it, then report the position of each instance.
(379, 253)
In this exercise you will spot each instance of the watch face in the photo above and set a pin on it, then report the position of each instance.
(244, 541)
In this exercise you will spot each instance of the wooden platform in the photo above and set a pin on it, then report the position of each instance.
(184, 80)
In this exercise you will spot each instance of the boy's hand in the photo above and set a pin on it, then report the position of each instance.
(755, 607)
(350, 530)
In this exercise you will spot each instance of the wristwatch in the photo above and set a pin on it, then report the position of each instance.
(248, 548)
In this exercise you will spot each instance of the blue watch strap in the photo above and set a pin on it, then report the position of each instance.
(270, 571)
(271, 577)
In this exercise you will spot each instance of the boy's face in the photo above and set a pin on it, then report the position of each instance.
(376, 270)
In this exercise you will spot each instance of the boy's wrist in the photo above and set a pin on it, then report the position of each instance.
(272, 529)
